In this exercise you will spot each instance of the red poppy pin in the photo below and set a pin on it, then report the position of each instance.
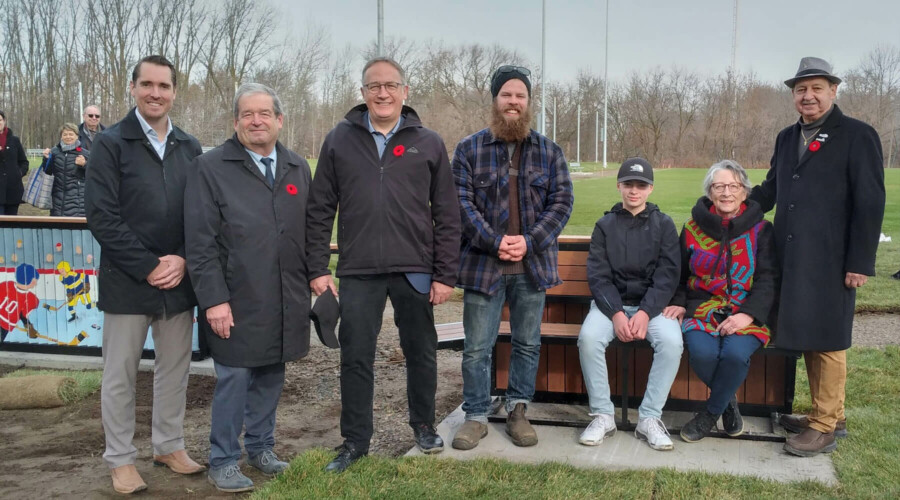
(291, 189)
(398, 151)
(78, 149)
(815, 146)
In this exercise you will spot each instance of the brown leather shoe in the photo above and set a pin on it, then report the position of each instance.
(179, 462)
(518, 428)
(469, 435)
(799, 423)
(810, 443)
(126, 479)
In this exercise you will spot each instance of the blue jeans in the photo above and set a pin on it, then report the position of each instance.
(481, 321)
(721, 363)
(243, 397)
(597, 332)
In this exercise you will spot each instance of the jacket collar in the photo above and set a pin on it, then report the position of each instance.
(711, 224)
(357, 116)
(619, 209)
(233, 150)
(131, 128)
(832, 123)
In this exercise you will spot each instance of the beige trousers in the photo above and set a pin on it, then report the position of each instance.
(123, 342)
(827, 372)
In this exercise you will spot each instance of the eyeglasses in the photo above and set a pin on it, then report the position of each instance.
(93, 116)
(719, 187)
(375, 87)
(513, 69)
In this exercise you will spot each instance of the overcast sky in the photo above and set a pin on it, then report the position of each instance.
(695, 34)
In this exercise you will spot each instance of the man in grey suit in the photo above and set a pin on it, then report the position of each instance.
(245, 227)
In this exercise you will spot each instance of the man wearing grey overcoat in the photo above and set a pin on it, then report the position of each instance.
(245, 226)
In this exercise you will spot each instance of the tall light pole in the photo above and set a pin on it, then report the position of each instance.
(605, 85)
(380, 28)
(543, 66)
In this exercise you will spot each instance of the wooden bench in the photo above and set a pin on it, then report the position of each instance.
(769, 386)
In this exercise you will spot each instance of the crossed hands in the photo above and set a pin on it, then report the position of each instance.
(168, 273)
(512, 248)
(628, 329)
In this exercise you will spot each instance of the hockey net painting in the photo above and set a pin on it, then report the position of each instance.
(48, 289)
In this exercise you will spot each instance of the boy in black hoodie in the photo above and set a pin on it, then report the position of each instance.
(633, 269)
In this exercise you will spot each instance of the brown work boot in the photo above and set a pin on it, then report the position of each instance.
(468, 436)
(126, 479)
(799, 423)
(518, 428)
(179, 462)
(810, 443)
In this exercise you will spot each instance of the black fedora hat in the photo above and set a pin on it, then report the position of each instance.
(325, 314)
(810, 67)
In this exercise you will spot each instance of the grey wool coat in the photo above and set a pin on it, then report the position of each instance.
(245, 245)
(830, 207)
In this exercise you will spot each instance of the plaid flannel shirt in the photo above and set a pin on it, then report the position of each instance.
(481, 172)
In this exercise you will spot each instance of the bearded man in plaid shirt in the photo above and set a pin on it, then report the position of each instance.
(515, 198)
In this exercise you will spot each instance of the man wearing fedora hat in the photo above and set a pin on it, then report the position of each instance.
(515, 197)
(827, 178)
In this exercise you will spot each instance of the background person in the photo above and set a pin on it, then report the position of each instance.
(633, 268)
(13, 167)
(67, 166)
(90, 127)
(727, 289)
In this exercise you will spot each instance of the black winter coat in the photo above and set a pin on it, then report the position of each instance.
(245, 246)
(397, 213)
(67, 194)
(633, 260)
(134, 204)
(13, 166)
(830, 207)
(85, 138)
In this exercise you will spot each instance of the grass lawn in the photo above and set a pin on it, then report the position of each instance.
(866, 462)
(676, 191)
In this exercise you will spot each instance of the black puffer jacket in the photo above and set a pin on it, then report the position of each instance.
(68, 181)
(633, 260)
(13, 166)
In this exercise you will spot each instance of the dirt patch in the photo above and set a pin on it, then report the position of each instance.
(57, 452)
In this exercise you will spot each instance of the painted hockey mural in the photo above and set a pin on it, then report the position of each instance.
(48, 288)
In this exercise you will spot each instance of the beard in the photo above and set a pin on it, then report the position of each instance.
(510, 130)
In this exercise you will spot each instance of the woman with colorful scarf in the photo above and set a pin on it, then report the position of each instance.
(66, 163)
(13, 166)
(728, 277)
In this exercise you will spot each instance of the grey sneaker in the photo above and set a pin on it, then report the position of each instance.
(268, 463)
(229, 479)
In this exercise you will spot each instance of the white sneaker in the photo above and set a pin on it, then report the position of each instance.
(602, 426)
(652, 430)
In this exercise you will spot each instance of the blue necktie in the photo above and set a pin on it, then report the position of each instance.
(270, 177)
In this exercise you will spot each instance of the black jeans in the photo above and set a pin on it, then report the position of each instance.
(9, 209)
(362, 301)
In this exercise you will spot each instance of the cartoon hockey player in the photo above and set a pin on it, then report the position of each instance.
(77, 286)
(17, 301)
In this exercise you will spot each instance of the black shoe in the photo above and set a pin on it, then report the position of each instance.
(427, 440)
(699, 427)
(347, 454)
(732, 421)
(896, 275)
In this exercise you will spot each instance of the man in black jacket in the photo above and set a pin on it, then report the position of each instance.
(633, 269)
(245, 226)
(827, 178)
(90, 127)
(398, 236)
(134, 202)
